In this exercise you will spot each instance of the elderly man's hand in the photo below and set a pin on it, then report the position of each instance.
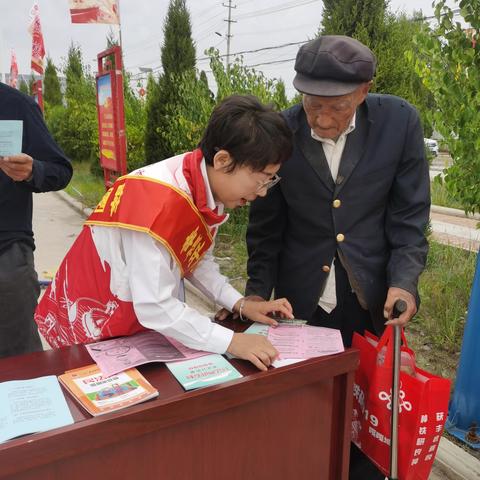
(393, 295)
(17, 167)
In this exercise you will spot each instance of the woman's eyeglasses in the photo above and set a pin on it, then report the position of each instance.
(268, 183)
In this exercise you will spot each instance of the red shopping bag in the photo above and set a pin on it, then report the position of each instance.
(423, 406)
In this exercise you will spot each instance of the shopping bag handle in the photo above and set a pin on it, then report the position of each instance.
(387, 337)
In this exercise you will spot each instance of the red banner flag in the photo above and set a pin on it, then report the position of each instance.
(38, 47)
(94, 11)
(13, 70)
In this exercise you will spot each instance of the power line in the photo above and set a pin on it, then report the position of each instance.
(263, 49)
(281, 8)
(260, 49)
(271, 63)
(277, 30)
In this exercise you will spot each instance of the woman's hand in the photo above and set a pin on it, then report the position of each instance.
(223, 314)
(255, 348)
(258, 311)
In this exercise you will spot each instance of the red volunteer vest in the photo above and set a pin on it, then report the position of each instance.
(79, 306)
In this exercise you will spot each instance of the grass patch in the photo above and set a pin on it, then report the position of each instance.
(441, 197)
(85, 187)
(445, 288)
(231, 254)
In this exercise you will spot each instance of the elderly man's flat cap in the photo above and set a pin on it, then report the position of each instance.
(333, 65)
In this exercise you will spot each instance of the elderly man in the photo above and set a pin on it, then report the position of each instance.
(342, 235)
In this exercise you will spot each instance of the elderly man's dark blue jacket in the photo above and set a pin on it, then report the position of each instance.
(374, 215)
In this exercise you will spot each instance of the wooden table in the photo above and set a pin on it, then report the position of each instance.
(287, 423)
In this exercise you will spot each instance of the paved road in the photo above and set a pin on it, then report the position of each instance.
(455, 230)
(55, 225)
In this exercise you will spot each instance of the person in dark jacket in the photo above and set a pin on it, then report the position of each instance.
(342, 235)
(41, 166)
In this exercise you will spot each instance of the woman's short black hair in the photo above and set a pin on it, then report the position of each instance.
(252, 133)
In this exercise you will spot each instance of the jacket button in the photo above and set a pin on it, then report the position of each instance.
(336, 203)
(340, 237)
(326, 268)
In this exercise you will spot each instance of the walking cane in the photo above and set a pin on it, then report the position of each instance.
(399, 307)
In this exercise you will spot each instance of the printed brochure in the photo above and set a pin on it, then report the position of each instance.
(203, 372)
(99, 394)
(118, 354)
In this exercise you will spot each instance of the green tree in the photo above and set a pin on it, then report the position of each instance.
(361, 19)
(188, 117)
(178, 50)
(178, 57)
(23, 87)
(51, 85)
(75, 125)
(395, 75)
(78, 85)
(31, 81)
(448, 62)
(246, 80)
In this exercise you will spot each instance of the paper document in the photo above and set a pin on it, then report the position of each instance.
(118, 354)
(29, 406)
(305, 341)
(203, 372)
(11, 132)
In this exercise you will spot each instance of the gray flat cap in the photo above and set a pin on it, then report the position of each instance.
(333, 65)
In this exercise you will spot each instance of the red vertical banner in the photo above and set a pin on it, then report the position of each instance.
(13, 70)
(111, 117)
(38, 47)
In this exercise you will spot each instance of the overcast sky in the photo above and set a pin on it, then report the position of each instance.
(259, 24)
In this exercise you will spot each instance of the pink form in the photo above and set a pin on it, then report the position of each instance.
(305, 341)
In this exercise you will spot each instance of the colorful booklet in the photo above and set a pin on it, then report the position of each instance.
(203, 372)
(99, 394)
(29, 406)
(118, 354)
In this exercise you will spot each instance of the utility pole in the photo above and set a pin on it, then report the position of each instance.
(229, 35)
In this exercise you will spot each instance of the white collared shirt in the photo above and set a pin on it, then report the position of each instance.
(333, 153)
(144, 272)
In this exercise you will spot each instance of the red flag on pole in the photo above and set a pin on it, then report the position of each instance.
(13, 70)
(94, 11)
(38, 47)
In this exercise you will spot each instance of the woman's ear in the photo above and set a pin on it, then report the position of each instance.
(221, 160)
